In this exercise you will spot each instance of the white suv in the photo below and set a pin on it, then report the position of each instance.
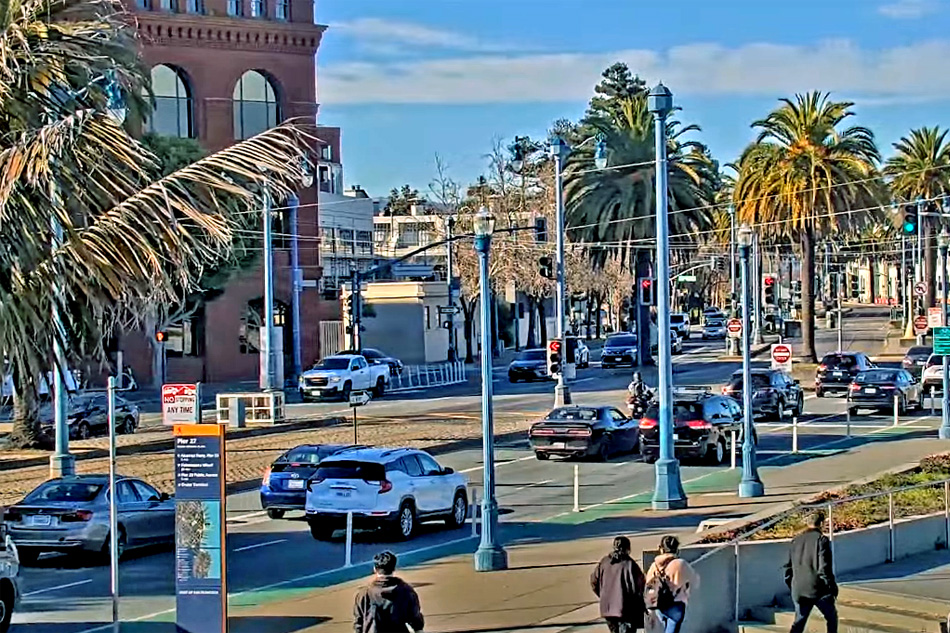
(679, 321)
(384, 487)
(932, 376)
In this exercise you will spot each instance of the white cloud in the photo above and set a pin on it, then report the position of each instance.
(908, 9)
(761, 69)
(389, 36)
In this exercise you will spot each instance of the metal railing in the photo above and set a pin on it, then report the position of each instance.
(828, 508)
(424, 376)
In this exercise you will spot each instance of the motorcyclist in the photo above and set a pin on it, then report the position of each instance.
(639, 389)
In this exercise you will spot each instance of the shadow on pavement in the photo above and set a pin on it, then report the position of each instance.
(236, 624)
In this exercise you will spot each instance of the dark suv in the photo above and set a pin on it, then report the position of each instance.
(837, 371)
(619, 349)
(773, 391)
(916, 359)
(702, 424)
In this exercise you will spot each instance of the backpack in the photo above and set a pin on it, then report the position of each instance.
(658, 594)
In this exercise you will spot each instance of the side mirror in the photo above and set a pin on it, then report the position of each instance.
(797, 381)
(164, 496)
(448, 471)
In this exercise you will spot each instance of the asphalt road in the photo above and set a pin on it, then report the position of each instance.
(66, 597)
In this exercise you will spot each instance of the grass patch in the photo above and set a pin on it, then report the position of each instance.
(862, 513)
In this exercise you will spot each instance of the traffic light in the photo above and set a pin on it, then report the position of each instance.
(796, 292)
(647, 297)
(546, 267)
(554, 357)
(160, 336)
(769, 282)
(540, 229)
(910, 219)
(570, 350)
(855, 288)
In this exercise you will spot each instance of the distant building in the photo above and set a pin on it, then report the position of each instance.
(397, 236)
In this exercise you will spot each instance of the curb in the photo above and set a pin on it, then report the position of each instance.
(755, 353)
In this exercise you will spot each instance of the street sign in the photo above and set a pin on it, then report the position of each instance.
(920, 289)
(686, 278)
(734, 327)
(942, 341)
(935, 317)
(920, 324)
(782, 356)
(180, 404)
(448, 310)
(358, 398)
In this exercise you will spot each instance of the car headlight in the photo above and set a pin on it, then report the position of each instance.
(334, 379)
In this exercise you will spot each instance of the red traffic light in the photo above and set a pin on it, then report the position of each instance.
(646, 283)
(160, 337)
(554, 346)
(769, 281)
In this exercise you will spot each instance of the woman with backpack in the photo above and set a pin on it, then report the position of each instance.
(669, 582)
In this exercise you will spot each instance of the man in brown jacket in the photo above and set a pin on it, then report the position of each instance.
(618, 582)
(387, 604)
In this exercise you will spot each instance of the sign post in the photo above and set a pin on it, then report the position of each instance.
(357, 399)
(782, 357)
(181, 404)
(201, 593)
(920, 324)
(734, 328)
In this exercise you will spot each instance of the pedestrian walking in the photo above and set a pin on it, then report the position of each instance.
(387, 604)
(670, 580)
(618, 581)
(810, 575)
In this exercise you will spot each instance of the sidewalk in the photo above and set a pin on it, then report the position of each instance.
(546, 585)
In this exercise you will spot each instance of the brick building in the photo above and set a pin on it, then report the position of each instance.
(222, 71)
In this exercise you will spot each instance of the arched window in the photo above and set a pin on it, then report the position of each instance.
(173, 112)
(255, 105)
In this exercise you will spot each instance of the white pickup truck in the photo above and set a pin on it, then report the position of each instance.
(338, 376)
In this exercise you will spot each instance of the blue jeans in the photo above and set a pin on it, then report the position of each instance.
(672, 618)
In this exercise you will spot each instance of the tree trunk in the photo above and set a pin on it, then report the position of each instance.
(587, 315)
(531, 338)
(495, 327)
(808, 296)
(542, 324)
(930, 263)
(872, 269)
(644, 271)
(26, 423)
(468, 312)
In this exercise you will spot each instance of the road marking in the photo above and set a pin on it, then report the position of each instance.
(540, 483)
(250, 515)
(58, 587)
(498, 464)
(257, 545)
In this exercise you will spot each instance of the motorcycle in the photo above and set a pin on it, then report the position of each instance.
(638, 405)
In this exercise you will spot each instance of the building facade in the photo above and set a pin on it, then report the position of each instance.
(223, 71)
(395, 236)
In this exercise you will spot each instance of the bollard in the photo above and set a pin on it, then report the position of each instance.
(577, 488)
(237, 413)
(732, 458)
(474, 512)
(847, 421)
(794, 433)
(896, 410)
(349, 540)
(933, 406)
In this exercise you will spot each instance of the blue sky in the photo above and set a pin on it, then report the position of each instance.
(407, 79)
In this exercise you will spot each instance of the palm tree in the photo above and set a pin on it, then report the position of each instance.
(128, 239)
(921, 169)
(803, 178)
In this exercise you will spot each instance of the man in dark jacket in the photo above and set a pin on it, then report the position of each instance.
(618, 581)
(388, 604)
(811, 577)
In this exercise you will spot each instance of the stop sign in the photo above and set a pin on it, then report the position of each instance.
(920, 323)
(734, 326)
(781, 353)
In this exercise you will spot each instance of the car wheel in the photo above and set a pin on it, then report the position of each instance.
(603, 453)
(321, 531)
(128, 426)
(799, 406)
(84, 432)
(274, 513)
(901, 406)
(105, 554)
(7, 604)
(852, 411)
(345, 392)
(512, 379)
(649, 458)
(459, 511)
(716, 454)
(542, 456)
(819, 393)
(28, 556)
(406, 522)
(380, 388)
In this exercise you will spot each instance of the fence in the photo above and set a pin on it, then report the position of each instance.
(423, 376)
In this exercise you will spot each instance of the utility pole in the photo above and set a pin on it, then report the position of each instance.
(355, 310)
(267, 332)
(757, 290)
(453, 348)
(559, 152)
(840, 311)
(296, 279)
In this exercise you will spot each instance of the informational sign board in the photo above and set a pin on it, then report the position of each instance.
(942, 341)
(201, 594)
(181, 404)
(782, 356)
(358, 398)
(920, 289)
(686, 278)
(935, 317)
(920, 324)
(734, 327)
(448, 310)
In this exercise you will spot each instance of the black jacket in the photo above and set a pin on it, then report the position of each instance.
(809, 572)
(387, 605)
(618, 581)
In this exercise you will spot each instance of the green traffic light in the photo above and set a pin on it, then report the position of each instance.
(909, 227)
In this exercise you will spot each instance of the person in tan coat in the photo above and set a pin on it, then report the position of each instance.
(679, 576)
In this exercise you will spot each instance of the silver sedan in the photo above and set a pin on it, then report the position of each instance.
(71, 515)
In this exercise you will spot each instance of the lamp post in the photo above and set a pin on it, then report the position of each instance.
(296, 279)
(490, 555)
(750, 485)
(733, 342)
(669, 493)
(449, 225)
(559, 152)
(943, 242)
(267, 332)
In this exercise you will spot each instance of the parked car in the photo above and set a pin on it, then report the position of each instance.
(584, 432)
(676, 341)
(680, 321)
(877, 388)
(71, 515)
(932, 376)
(284, 485)
(714, 328)
(88, 415)
(339, 375)
(375, 357)
(916, 359)
(619, 350)
(394, 488)
(529, 365)
(836, 371)
(773, 391)
(702, 421)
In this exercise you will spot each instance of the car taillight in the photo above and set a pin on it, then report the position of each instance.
(822, 367)
(579, 432)
(888, 387)
(385, 486)
(855, 386)
(77, 516)
(647, 423)
(541, 432)
(699, 424)
(266, 480)
(726, 391)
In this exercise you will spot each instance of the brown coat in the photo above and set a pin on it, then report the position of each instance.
(387, 605)
(618, 582)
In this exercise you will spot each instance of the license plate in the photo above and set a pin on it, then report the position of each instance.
(296, 484)
(676, 436)
(558, 444)
(344, 494)
(612, 358)
(838, 374)
(41, 519)
(871, 390)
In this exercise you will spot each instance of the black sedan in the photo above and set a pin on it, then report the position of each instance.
(528, 365)
(284, 486)
(584, 432)
(702, 426)
(376, 357)
(876, 389)
(836, 371)
(773, 392)
(916, 359)
(88, 415)
(619, 350)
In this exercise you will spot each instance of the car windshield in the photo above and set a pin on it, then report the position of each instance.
(682, 412)
(876, 376)
(714, 323)
(532, 355)
(308, 455)
(759, 381)
(333, 363)
(351, 469)
(920, 352)
(572, 414)
(934, 360)
(621, 341)
(839, 361)
(677, 318)
(64, 491)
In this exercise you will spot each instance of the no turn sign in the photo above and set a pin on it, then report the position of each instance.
(734, 327)
(920, 289)
(782, 356)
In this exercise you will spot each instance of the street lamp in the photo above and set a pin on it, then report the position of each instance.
(559, 152)
(449, 273)
(751, 485)
(296, 279)
(943, 242)
(267, 378)
(490, 555)
(669, 493)
(733, 342)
